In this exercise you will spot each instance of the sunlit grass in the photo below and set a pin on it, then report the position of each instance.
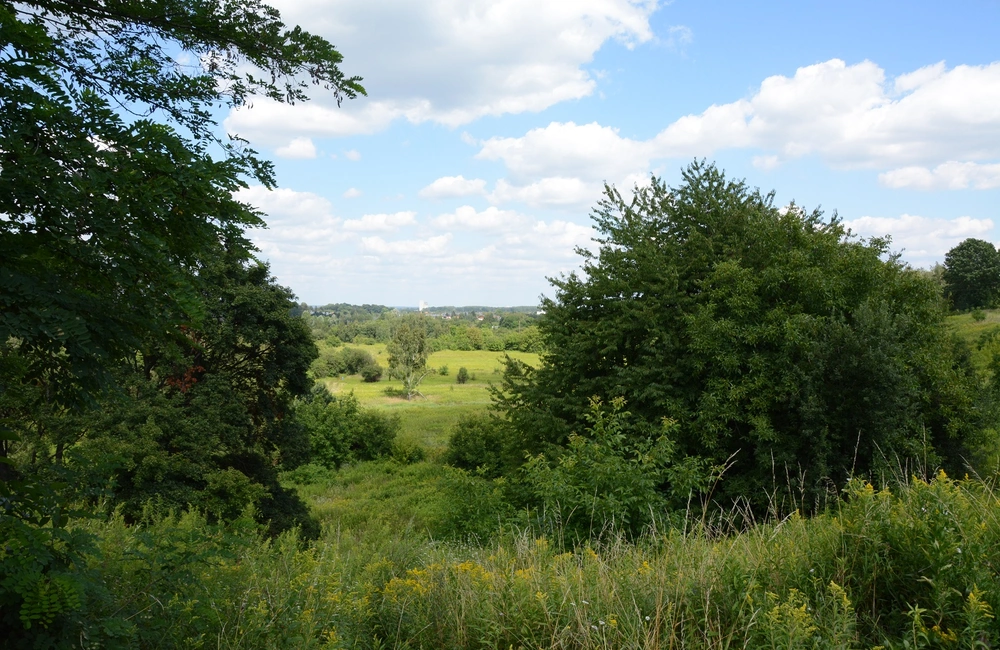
(972, 331)
(428, 419)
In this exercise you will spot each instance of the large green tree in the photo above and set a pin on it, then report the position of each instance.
(782, 346)
(114, 182)
(972, 274)
(116, 196)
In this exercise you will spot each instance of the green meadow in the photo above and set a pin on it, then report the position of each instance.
(427, 420)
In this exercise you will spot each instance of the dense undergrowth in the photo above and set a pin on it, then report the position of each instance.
(915, 566)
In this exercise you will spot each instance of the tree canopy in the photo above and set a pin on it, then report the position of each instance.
(408, 352)
(123, 263)
(783, 347)
(972, 274)
(114, 183)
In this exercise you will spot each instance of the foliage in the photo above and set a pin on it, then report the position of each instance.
(342, 432)
(371, 372)
(972, 274)
(912, 567)
(116, 194)
(207, 425)
(43, 581)
(107, 220)
(408, 355)
(477, 444)
(462, 376)
(609, 482)
(784, 348)
(342, 361)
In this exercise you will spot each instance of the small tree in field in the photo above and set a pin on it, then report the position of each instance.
(408, 355)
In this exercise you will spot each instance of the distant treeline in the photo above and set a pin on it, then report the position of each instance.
(448, 328)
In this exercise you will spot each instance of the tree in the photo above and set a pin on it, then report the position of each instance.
(782, 346)
(206, 422)
(110, 187)
(408, 354)
(972, 274)
(116, 194)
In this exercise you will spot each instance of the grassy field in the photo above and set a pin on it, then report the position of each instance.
(427, 420)
(972, 331)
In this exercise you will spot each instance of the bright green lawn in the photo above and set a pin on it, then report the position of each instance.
(428, 420)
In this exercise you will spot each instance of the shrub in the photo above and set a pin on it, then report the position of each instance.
(443, 371)
(477, 445)
(606, 482)
(978, 315)
(462, 376)
(354, 359)
(371, 372)
(342, 432)
(784, 345)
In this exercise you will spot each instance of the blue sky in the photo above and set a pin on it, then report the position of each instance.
(468, 174)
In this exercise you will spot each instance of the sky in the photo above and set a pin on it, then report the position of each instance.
(468, 174)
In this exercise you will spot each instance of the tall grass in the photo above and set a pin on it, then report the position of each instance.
(914, 567)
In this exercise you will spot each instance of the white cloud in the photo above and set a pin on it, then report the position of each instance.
(302, 235)
(352, 193)
(951, 175)
(848, 115)
(472, 255)
(552, 192)
(430, 247)
(586, 151)
(381, 222)
(451, 61)
(490, 219)
(924, 240)
(448, 187)
(297, 148)
(352, 154)
(679, 37)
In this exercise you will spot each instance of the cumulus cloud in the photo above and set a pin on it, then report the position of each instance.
(451, 61)
(352, 193)
(448, 187)
(923, 240)
(850, 116)
(303, 233)
(297, 148)
(490, 219)
(951, 175)
(381, 222)
(431, 246)
(352, 154)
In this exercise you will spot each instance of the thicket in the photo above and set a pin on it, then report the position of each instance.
(790, 355)
(340, 431)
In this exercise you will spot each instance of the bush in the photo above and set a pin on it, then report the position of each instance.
(342, 361)
(978, 315)
(342, 432)
(443, 371)
(462, 376)
(604, 482)
(477, 445)
(782, 344)
(371, 373)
